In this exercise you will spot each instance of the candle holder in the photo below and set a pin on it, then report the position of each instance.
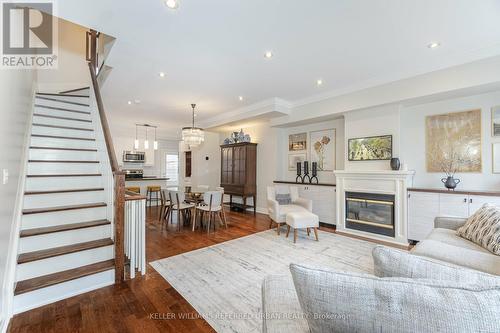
(314, 173)
(306, 172)
(299, 179)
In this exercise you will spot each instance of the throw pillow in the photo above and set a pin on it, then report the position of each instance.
(483, 228)
(389, 262)
(284, 199)
(335, 301)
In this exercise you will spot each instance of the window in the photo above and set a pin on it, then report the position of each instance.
(172, 166)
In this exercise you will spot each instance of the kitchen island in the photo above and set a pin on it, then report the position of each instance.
(144, 182)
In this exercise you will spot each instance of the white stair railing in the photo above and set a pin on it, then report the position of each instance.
(135, 233)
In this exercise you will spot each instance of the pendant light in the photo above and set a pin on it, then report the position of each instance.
(136, 141)
(155, 143)
(193, 136)
(146, 142)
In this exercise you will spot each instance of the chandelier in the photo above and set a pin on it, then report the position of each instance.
(193, 136)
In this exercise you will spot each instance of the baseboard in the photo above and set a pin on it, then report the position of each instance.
(4, 325)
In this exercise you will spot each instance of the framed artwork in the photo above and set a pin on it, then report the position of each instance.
(371, 148)
(297, 142)
(495, 121)
(323, 149)
(293, 159)
(453, 142)
(496, 157)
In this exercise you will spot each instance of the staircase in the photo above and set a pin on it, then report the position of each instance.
(66, 240)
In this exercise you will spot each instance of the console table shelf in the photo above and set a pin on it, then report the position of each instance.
(302, 184)
(466, 192)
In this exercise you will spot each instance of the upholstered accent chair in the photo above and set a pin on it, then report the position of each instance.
(290, 202)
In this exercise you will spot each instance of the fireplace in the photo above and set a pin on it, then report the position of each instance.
(370, 212)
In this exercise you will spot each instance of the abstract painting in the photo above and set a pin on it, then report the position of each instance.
(495, 121)
(371, 148)
(293, 159)
(453, 142)
(297, 142)
(323, 149)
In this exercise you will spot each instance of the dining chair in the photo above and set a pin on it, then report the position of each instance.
(212, 207)
(183, 209)
(221, 189)
(165, 205)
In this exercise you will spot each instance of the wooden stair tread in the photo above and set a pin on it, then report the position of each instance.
(65, 191)
(63, 227)
(60, 109)
(64, 127)
(61, 250)
(62, 118)
(66, 175)
(63, 148)
(63, 208)
(62, 95)
(61, 101)
(60, 137)
(73, 90)
(64, 276)
(60, 161)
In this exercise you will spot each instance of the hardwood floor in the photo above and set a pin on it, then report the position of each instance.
(147, 303)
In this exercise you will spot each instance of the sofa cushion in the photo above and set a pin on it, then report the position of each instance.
(450, 237)
(280, 306)
(482, 261)
(336, 301)
(389, 262)
(284, 198)
(483, 228)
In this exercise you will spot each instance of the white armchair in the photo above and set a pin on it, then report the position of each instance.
(278, 212)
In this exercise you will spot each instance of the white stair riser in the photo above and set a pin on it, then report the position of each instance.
(37, 298)
(61, 263)
(60, 104)
(62, 113)
(61, 143)
(62, 132)
(62, 183)
(68, 98)
(61, 168)
(62, 199)
(62, 122)
(69, 155)
(62, 217)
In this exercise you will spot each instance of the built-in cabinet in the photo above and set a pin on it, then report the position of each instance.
(323, 198)
(424, 207)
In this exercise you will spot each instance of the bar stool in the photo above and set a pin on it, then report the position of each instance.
(135, 189)
(153, 194)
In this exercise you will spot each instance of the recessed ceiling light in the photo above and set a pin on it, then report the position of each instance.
(161, 74)
(268, 54)
(319, 82)
(240, 98)
(433, 45)
(129, 102)
(172, 4)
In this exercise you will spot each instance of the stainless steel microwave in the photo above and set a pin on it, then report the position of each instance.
(134, 156)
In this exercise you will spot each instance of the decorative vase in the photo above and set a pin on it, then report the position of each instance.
(235, 137)
(298, 179)
(450, 183)
(306, 172)
(395, 163)
(241, 136)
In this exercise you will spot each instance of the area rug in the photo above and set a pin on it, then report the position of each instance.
(223, 282)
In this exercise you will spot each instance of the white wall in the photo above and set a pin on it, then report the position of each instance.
(16, 96)
(377, 121)
(323, 176)
(413, 141)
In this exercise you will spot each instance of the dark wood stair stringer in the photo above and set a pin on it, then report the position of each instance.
(62, 250)
(64, 276)
(62, 227)
(63, 208)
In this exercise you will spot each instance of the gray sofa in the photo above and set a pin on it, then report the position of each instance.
(441, 257)
(444, 244)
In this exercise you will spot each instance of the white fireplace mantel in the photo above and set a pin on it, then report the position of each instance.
(381, 182)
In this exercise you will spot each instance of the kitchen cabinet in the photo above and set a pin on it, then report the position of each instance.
(324, 201)
(425, 205)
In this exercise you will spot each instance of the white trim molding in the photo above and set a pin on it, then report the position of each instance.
(381, 182)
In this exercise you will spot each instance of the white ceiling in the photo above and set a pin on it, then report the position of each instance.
(213, 51)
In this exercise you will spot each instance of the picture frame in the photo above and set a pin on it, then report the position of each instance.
(370, 148)
(323, 148)
(293, 159)
(495, 121)
(297, 142)
(495, 157)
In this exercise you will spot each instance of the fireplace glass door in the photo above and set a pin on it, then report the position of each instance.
(370, 212)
